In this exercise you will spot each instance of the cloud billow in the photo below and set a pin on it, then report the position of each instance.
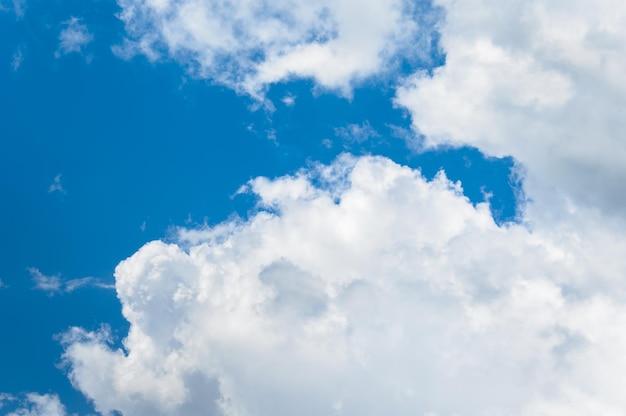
(378, 292)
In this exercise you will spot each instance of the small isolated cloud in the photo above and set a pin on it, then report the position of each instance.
(356, 133)
(54, 285)
(73, 38)
(2, 286)
(56, 185)
(18, 57)
(289, 100)
(40, 405)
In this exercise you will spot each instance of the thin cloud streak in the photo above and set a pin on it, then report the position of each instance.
(54, 284)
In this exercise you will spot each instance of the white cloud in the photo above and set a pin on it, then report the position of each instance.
(41, 405)
(53, 285)
(56, 185)
(372, 292)
(74, 37)
(250, 44)
(543, 81)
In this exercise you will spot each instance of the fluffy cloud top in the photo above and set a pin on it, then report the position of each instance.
(543, 81)
(249, 44)
(361, 288)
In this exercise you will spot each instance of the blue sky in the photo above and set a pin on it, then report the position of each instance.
(133, 122)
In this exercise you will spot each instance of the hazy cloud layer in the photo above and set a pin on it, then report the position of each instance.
(249, 44)
(16, 6)
(543, 81)
(372, 292)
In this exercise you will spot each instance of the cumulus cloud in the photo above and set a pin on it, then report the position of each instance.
(362, 288)
(250, 44)
(543, 81)
(53, 285)
(40, 405)
(74, 37)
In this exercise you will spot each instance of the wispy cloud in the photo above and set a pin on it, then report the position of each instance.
(18, 57)
(356, 133)
(4, 398)
(17, 6)
(39, 405)
(56, 185)
(289, 100)
(49, 284)
(54, 284)
(74, 37)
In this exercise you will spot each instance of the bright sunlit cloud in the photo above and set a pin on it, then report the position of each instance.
(374, 291)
